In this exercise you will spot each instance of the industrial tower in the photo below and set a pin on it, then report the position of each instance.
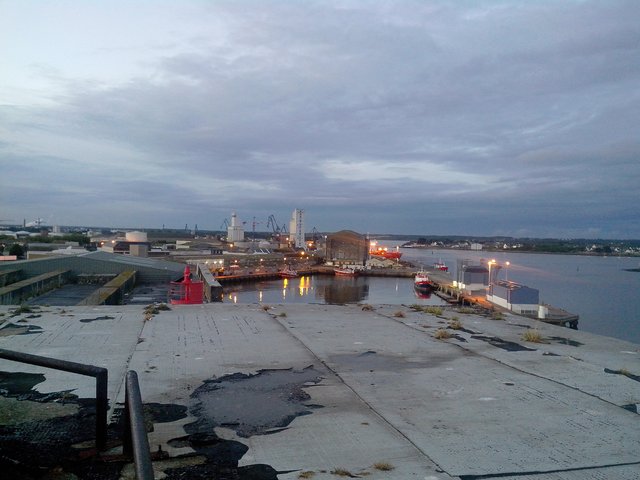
(235, 231)
(296, 229)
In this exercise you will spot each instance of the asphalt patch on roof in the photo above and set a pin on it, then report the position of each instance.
(503, 344)
(253, 404)
(566, 341)
(97, 319)
(259, 404)
(13, 329)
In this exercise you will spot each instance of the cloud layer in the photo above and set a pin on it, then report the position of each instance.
(425, 117)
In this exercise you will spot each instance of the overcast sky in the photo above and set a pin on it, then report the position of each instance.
(421, 117)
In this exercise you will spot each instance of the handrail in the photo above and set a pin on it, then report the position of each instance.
(135, 442)
(99, 373)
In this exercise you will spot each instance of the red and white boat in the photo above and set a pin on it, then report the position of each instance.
(288, 272)
(440, 265)
(345, 272)
(422, 283)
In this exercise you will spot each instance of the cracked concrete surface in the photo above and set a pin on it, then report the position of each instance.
(390, 391)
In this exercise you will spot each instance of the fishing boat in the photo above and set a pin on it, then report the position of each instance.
(422, 283)
(440, 265)
(376, 250)
(345, 272)
(288, 272)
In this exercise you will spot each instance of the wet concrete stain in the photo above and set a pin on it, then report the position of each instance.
(97, 319)
(459, 338)
(566, 341)
(53, 447)
(624, 373)
(13, 329)
(466, 330)
(252, 404)
(259, 404)
(503, 344)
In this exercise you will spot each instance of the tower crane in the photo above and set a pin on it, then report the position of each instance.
(277, 229)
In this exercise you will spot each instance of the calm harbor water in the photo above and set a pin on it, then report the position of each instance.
(599, 289)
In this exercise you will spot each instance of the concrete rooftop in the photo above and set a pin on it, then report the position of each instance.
(338, 390)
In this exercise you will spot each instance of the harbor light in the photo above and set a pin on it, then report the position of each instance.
(491, 263)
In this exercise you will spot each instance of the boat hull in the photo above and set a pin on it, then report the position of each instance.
(385, 254)
(424, 287)
(345, 272)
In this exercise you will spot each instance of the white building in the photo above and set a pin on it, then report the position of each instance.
(235, 231)
(296, 229)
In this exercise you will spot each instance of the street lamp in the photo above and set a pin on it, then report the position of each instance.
(506, 271)
(491, 263)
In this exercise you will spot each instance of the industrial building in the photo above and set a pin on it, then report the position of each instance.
(235, 231)
(23, 280)
(346, 248)
(513, 296)
(472, 278)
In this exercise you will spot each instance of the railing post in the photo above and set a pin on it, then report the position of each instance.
(99, 373)
(102, 406)
(135, 436)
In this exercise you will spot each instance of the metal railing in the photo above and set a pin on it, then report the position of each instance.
(99, 373)
(135, 442)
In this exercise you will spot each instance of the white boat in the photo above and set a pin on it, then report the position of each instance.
(345, 272)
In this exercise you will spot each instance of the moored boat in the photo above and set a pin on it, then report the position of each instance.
(440, 265)
(288, 272)
(422, 283)
(345, 272)
(376, 250)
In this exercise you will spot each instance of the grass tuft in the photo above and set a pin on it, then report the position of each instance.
(442, 334)
(533, 336)
(24, 308)
(283, 314)
(266, 308)
(306, 474)
(399, 314)
(341, 472)
(383, 466)
(437, 311)
(497, 316)
(367, 308)
(466, 310)
(455, 323)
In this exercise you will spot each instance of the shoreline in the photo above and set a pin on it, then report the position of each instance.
(497, 250)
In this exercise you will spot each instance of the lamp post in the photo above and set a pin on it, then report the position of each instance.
(506, 271)
(491, 263)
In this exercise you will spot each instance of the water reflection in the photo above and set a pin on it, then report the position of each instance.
(330, 290)
(344, 290)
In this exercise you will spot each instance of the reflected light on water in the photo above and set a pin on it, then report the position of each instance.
(303, 286)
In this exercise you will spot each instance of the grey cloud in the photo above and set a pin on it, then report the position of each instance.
(540, 99)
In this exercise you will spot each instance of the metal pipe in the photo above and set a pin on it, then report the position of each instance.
(99, 373)
(136, 441)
